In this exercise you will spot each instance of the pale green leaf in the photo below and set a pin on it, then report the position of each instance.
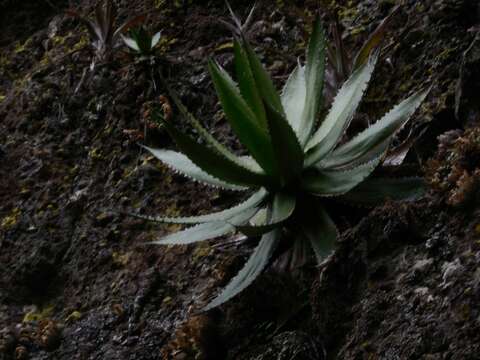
(320, 230)
(377, 134)
(253, 201)
(156, 39)
(252, 269)
(341, 113)
(205, 231)
(323, 182)
(314, 77)
(205, 134)
(214, 163)
(182, 164)
(293, 98)
(282, 208)
(130, 43)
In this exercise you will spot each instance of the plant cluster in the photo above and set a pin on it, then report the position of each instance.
(104, 34)
(293, 165)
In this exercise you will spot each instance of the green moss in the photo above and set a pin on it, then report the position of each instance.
(84, 41)
(36, 315)
(201, 251)
(74, 316)
(95, 154)
(357, 30)
(11, 219)
(19, 48)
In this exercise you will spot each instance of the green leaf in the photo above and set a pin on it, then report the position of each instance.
(213, 162)
(242, 119)
(282, 208)
(204, 231)
(320, 230)
(182, 164)
(253, 201)
(341, 113)
(376, 190)
(205, 134)
(252, 269)
(323, 182)
(293, 98)
(314, 77)
(379, 133)
(263, 81)
(247, 85)
(286, 148)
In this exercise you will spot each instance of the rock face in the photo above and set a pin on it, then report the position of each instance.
(75, 283)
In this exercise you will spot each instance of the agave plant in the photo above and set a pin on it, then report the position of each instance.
(294, 164)
(104, 36)
(141, 41)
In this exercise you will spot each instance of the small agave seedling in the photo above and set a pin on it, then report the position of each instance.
(104, 36)
(341, 61)
(141, 41)
(294, 165)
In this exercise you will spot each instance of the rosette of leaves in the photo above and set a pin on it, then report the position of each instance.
(141, 41)
(293, 166)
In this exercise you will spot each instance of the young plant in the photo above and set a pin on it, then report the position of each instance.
(104, 36)
(341, 61)
(141, 41)
(294, 165)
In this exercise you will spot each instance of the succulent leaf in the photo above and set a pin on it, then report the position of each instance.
(255, 265)
(131, 43)
(377, 134)
(284, 205)
(182, 164)
(205, 134)
(321, 232)
(247, 85)
(253, 201)
(263, 80)
(213, 162)
(341, 113)
(242, 119)
(155, 39)
(323, 182)
(204, 231)
(314, 77)
(286, 148)
(293, 98)
(376, 190)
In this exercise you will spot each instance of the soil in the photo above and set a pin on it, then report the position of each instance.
(77, 280)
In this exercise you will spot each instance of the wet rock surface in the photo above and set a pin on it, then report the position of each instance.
(76, 281)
